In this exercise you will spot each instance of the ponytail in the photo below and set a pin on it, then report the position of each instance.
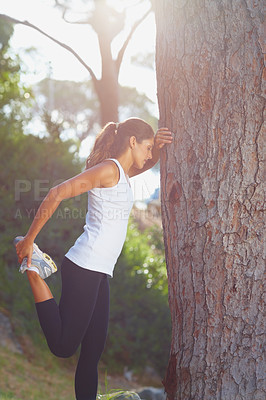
(102, 145)
(113, 140)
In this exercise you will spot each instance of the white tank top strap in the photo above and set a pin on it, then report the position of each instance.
(121, 170)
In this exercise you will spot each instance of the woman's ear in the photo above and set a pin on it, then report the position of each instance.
(132, 142)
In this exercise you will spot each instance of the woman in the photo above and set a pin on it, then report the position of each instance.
(121, 150)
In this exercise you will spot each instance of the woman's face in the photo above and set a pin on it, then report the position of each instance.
(142, 152)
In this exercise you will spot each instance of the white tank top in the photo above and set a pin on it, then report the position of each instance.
(99, 246)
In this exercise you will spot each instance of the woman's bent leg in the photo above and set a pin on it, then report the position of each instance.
(64, 326)
(86, 380)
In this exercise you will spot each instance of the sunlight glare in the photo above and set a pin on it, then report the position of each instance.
(52, 60)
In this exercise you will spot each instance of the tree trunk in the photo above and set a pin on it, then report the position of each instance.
(107, 88)
(107, 91)
(210, 75)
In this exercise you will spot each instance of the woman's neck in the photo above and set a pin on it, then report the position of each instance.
(126, 161)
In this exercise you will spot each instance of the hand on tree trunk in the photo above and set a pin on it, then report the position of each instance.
(163, 136)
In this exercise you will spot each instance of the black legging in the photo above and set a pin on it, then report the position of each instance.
(81, 318)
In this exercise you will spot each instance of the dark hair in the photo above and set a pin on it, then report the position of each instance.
(113, 140)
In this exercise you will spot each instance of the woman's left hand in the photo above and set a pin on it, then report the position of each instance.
(163, 136)
(24, 249)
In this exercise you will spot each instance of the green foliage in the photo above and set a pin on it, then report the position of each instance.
(140, 321)
(30, 166)
(12, 93)
(72, 105)
(145, 252)
(140, 328)
(28, 162)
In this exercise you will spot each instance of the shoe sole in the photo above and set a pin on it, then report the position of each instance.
(45, 257)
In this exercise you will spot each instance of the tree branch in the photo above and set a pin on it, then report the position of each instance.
(85, 22)
(65, 9)
(65, 46)
(123, 48)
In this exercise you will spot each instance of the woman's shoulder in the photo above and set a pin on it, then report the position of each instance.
(109, 172)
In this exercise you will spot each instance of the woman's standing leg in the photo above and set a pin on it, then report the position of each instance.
(92, 345)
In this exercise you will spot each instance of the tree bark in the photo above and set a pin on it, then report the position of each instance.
(210, 75)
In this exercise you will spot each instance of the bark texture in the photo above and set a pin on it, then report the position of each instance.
(210, 92)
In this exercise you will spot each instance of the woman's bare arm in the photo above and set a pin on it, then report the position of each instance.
(104, 174)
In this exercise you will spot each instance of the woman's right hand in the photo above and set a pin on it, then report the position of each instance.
(24, 248)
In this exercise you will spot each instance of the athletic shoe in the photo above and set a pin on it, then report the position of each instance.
(40, 262)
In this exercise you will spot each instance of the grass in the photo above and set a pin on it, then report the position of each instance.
(37, 377)
(6, 396)
(22, 378)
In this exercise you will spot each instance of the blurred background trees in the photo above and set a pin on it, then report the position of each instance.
(108, 23)
(31, 164)
(74, 106)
